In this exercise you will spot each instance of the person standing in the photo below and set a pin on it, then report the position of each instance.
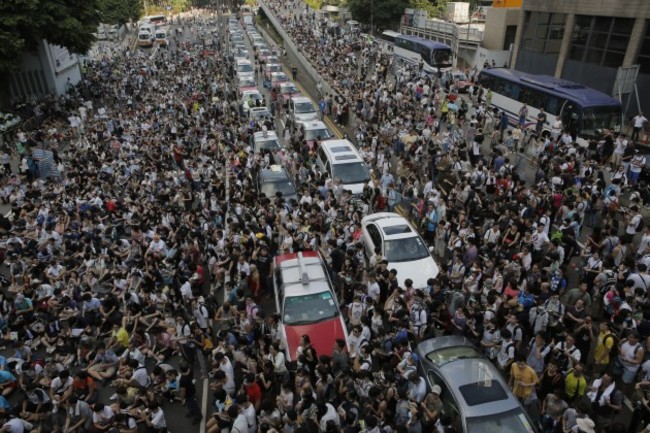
(638, 122)
(541, 120)
(187, 392)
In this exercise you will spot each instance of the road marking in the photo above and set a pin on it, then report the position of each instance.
(204, 409)
(333, 127)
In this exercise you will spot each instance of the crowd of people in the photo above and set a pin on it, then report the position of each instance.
(113, 266)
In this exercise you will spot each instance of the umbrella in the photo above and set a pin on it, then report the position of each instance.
(452, 107)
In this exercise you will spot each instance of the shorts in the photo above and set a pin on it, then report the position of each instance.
(628, 376)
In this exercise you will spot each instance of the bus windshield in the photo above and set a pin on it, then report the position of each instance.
(441, 57)
(595, 119)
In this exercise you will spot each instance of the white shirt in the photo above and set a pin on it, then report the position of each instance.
(639, 121)
(539, 239)
(158, 419)
(226, 367)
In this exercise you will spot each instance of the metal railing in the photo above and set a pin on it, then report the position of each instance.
(449, 33)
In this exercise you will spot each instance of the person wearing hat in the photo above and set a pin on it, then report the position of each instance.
(585, 425)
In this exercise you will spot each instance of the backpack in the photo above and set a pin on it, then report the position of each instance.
(639, 227)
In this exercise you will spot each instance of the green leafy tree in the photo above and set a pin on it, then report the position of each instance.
(69, 23)
(121, 11)
(383, 13)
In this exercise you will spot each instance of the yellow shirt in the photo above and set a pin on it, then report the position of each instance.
(122, 336)
(603, 348)
(574, 386)
(524, 379)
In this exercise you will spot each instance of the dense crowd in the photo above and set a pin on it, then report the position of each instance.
(113, 264)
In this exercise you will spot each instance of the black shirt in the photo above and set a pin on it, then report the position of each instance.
(187, 383)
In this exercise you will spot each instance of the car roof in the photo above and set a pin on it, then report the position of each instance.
(468, 372)
(386, 220)
(274, 173)
(341, 151)
(269, 135)
(314, 124)
(300, 99)
(302, 273)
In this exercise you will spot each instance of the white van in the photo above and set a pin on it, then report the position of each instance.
(161, 37)
(146, 35)
(341, 160)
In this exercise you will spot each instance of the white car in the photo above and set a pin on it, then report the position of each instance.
(401, 245)
(253, 94)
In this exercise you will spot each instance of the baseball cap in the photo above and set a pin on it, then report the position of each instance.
(436, 389)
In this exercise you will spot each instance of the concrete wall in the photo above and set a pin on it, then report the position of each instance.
(496, 22)
(48, 70)
(478, 57)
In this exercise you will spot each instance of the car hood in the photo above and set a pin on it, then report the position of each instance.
(306, 117)
(323, 335)
(419, 271)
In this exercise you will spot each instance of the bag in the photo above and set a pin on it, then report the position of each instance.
(639, 227)
(207, 343)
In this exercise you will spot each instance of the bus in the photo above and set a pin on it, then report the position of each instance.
(387, 40)
(246, 15)
(157, 20)
(413, 50)
(584, 112)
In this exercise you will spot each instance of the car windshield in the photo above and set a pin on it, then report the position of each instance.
(316, 307)
(281, 185)
(269, 144)
(273, 68)
(281, 78)
(289, 89)
(304, 107)
(244, 67)
(257, 114)
(313, 134)
(405, 249)
(144, 36)
(442, 356)
(353, 172)
(247, 82)
(595, 119)
(256, 96)
(514, 421)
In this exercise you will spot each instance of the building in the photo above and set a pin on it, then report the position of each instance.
(50, 69)
(586, 41)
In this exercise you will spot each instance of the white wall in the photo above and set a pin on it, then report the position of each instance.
(477, 58)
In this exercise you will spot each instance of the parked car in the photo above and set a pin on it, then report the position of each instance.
(273, 180)
(400, 244)
(306, 302)
(474, 394)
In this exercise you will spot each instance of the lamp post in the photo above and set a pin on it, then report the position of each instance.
(372, 15)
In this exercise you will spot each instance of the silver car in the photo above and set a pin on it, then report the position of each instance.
(474, 394)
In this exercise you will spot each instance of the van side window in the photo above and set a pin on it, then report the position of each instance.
(321, 155)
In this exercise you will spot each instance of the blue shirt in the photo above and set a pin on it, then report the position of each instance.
(6, 377)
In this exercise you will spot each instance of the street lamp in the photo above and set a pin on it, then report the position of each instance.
(372, 15)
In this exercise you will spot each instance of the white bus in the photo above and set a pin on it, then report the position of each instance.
(584, 112)
(433, 56)
(387, 40)
(157, 20)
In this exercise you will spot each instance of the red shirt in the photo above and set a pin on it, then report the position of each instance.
(254, 393)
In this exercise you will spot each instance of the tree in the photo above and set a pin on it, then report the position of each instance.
(121, 11)
(385, 13)
(23, 23)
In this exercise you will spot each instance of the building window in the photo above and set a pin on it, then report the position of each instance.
(600, 41)
(543, 32)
